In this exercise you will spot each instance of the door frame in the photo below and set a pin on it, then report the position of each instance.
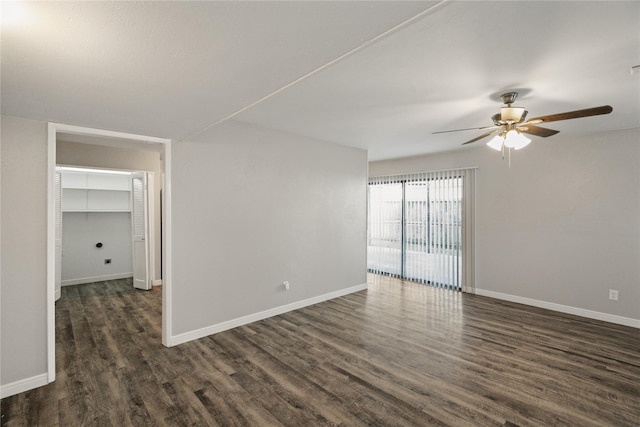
(165, 144)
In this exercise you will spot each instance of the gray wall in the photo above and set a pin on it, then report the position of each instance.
(23, 292)
(252, 208)
(562, 225)
(99, 156)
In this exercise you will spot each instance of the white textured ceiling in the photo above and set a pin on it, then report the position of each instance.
(172, 69)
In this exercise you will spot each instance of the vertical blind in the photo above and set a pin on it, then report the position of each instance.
(420, 227)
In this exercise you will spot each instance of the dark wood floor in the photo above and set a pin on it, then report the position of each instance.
(397, 354)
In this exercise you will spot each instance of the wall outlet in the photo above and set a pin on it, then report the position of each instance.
(107, 261)
(285, 286)
(613, 294)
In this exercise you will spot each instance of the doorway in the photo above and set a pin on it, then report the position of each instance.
(105, 225)
(98, 137)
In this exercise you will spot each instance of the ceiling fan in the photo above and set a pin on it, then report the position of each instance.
(510, 124)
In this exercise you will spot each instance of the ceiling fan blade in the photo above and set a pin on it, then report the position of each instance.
(458, 130)
(484, 135)
(537, 131)
(596, 111)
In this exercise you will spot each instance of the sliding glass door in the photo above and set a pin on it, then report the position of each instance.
(432, 225)
(384, 253)
(416, 227)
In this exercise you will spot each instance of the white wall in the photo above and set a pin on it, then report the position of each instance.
(562, 225)
(23, 352)
(82, 261)
(99, 156)
(252, 208)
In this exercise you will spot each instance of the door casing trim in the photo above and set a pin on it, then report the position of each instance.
(52, 131)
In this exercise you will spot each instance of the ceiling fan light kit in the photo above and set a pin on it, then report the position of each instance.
(509, 139)
(511, 123)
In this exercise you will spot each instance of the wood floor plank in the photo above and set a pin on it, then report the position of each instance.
(187, 409)
(399, 353)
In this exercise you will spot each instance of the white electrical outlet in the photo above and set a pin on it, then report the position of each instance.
(285, 285)
(613, 294)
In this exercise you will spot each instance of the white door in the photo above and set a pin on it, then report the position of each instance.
(140, 231)
(58, 267)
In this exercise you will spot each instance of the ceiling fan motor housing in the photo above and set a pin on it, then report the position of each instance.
(511, 114)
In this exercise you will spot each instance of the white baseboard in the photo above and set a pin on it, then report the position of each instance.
(597, 315)
(234, 323)
(23, 385)
(157, 282)
(82, 280)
